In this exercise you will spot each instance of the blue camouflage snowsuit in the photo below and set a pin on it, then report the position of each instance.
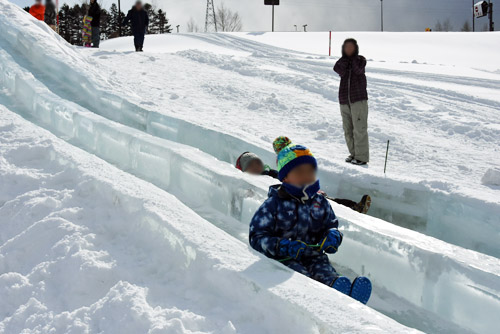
(283, 216)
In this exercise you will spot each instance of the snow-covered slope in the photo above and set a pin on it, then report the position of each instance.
(438, 118)
(420, 281)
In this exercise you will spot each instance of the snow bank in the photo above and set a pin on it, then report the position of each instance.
(438, 48)
(372, 247)
(491, 177)
(101, 251)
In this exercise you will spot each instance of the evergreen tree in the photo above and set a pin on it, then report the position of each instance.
(27, 8)
(104, 24)
(153, 19)
(64, 26)
(71, 22)
(466, 26)
(113, 20)
(164, 27)
(438, 26)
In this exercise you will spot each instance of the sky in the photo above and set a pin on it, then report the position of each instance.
(319, 15)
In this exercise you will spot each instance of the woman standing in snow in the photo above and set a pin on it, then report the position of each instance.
(353, 99)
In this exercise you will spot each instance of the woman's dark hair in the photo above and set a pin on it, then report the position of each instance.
(353, 41)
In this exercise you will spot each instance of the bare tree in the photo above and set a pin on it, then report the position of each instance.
(447, 26)
(466, 26)
(227, 20)
(192, 26)
(438, 26)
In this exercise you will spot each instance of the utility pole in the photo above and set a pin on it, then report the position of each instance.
(272, 3)
(210, 17)
(273, 18)
(473, 18)
(119, 19)
(381, 15)
(490, 16)
(305, 27)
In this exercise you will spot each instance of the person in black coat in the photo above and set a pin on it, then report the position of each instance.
(95, 13)
(139, 19)
(50, 14)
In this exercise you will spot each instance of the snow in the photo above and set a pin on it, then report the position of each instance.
(491, 177)
(90, 247)
(424, 115)
(474, 53)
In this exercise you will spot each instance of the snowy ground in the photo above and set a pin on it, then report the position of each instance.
(439, 118)
(174, 117)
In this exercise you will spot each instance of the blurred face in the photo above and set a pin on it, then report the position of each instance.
(301, 175)
(138, 5)
(255, 168)
(349, 49)
(38, 2)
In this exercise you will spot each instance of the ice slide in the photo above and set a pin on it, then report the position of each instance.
(124, 146)
(103, 252)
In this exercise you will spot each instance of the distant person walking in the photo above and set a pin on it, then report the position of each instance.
(95, 13)
(139, 19)
(38, 10)
(353, 99)
(50, 14)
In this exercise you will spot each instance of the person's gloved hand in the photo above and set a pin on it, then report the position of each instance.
(331, 242)
(292, 248)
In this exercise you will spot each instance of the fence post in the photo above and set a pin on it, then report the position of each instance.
(386, 154)
(330, 45)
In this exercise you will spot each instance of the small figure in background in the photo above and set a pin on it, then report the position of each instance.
(38, 10)
(95, 13)
(50, 14)
(139, 19)
(87, 31)
(251, 163)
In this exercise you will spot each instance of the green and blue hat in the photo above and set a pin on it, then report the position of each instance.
(291, 156)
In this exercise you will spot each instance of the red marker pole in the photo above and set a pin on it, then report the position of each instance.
(57, 16)
(330, 46)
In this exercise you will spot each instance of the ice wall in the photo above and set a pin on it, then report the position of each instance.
(103, 251)
(459, 285)
(440, 214)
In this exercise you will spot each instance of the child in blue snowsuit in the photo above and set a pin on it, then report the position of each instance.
(297, 226)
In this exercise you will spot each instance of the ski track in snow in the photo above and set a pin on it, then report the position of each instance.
(222, 95)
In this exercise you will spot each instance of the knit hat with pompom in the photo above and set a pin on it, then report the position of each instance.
(291, 156)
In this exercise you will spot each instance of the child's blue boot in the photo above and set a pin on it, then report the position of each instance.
(342, 284)
(361, 289)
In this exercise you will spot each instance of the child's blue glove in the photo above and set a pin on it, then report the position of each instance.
(293, 249)
(331, 242)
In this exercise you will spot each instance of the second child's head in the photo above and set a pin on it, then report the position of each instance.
(350, 48)
(296, 164)
(250, 163)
